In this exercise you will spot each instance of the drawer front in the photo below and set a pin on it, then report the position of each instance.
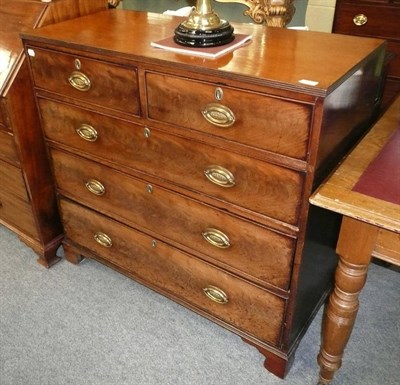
(387, 246)
(11, 179)
(237, 245)
(7, 148)
(368, 20)
(257, 186)
(105, 85)
(176, 274)
(17, 213)
(260, 121)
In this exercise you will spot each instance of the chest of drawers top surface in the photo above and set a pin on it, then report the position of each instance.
(276, 56)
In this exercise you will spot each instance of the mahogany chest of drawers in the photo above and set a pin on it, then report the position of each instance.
(374, 18)
(27, 197)
(192, 176)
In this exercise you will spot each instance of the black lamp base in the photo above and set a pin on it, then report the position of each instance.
(221, 35)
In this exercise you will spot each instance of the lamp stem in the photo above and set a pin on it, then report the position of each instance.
(204, 6)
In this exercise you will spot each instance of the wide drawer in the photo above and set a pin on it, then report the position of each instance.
(368, 20)
(7, 148)
(17, 213)
(253, 119)
(105, 85)
(246, 182)
(240, 246)
(12, 180)
(177, 274)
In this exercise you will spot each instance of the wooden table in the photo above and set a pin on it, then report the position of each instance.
(365, 189)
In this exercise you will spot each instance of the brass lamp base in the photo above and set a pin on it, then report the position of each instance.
(203, 28)
(206, 38)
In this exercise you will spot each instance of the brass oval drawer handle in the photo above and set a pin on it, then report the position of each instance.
(218, 115)
(95, 187)
(220, 176)
(79, 81)
(103, 239)
(216, 294)
(360, 19)
(87, 132)
(216, 238)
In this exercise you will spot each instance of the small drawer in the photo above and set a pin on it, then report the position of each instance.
(12, 180)
(102, 84)
(8, 151)
(255, 185)
(202, 287)
(368, 20)
(17, 213)
(255, 120)
(240, 246)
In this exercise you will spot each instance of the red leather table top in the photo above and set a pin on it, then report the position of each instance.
(381, 179)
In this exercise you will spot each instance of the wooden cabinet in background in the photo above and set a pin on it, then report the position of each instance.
(193, 176)
(27, 197)
(374, 18)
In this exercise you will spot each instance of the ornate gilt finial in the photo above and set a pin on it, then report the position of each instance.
(274, 13)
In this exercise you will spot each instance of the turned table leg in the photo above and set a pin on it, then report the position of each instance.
(355, 245)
